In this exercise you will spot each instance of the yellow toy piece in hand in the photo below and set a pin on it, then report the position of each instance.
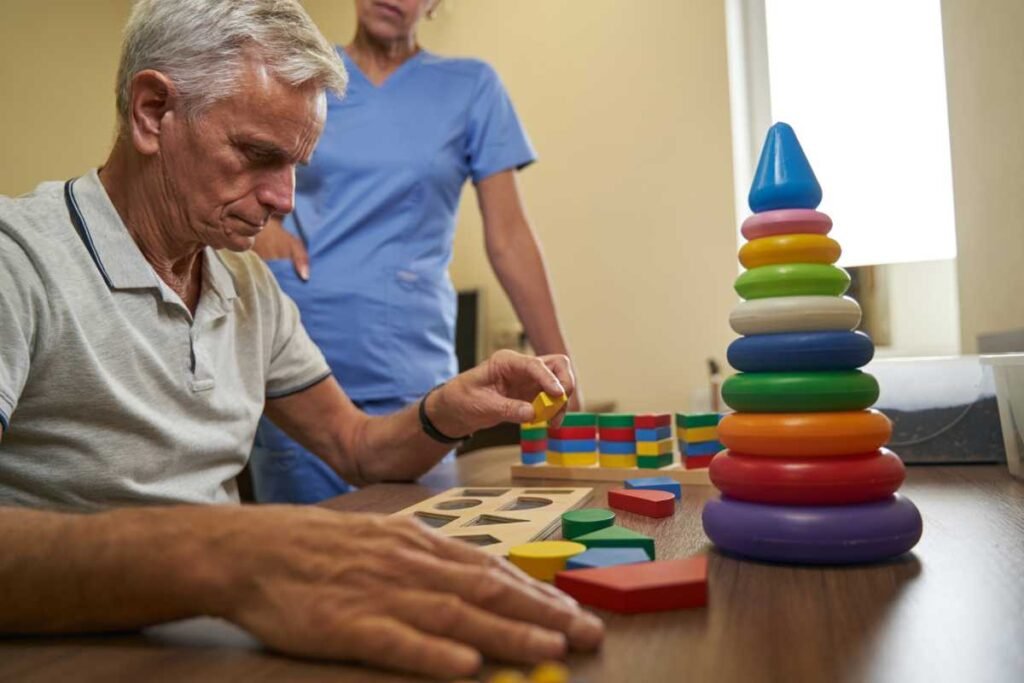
(545, 407)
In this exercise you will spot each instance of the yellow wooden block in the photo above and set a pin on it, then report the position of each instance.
(654, 447)
(550, 672)
(545, 407)
(571, 459)
(617, 460)
(698, 434)
(539, 424)
(543, 559)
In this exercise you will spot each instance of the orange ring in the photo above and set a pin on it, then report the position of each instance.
(805, 434)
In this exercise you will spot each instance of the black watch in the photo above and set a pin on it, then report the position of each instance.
(428, 427)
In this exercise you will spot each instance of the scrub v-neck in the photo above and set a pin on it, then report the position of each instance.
(353, 68)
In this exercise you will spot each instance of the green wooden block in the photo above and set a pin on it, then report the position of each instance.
(615, 420)
(617, 537)
(697, 419)
(653, 461)
(579, 522)
(579, 420)
(534, 434)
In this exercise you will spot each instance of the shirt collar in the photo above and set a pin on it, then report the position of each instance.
(115, 252)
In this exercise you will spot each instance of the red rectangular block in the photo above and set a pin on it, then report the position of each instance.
(617, 434)
(652, 421)
(538, 446)
(572, 432)
(696, 463)
(643, 587)
(643, 502)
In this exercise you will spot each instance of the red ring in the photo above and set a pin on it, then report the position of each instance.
(808, 481)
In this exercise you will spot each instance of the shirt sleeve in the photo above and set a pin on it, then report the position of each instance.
(21, 292)
(496, 140)
(296, 363)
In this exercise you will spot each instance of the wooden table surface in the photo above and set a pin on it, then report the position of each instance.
(953, 610)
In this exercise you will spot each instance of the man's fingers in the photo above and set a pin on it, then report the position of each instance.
(561, 367)
(446, 615)
(300, 258)
(511, 594)
(390, 643)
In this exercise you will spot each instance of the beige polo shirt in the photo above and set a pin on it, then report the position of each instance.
(111, 393)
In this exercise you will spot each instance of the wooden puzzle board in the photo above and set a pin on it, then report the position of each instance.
(597, 473)
(497, 518)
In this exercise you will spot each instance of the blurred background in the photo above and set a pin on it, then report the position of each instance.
(648, 116)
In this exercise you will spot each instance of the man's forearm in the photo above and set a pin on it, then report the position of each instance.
(107, 571)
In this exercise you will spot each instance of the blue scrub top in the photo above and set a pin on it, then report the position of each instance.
(376, 209)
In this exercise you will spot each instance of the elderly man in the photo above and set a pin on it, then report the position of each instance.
(139, 344)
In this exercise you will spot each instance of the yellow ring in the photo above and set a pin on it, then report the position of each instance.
(795, 248)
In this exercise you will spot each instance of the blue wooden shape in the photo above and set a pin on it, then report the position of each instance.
(572, 445)
(616, 447)
(533, 458)
(607, 557)
(657, 484)
(700, 448)
(801, 351)
(656, 434)
(784, 178)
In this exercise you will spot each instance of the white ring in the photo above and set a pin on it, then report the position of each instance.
(795, 314)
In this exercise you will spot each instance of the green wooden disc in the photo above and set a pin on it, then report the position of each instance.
(792, 279)
(800, 392)
(691, 420)
(535, 434)
(653, 461)
(579, 420)
(615, 420)
(579, 522)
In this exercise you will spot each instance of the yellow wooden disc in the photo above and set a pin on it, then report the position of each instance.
(543, 559)
(617, 460)
(654, 447)
(572, 459)
(780, 249)
(698, 434)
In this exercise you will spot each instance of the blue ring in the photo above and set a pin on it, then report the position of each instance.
(801, 351)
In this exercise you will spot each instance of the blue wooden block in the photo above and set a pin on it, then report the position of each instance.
(572, 445)
(657, 484)
(784, 178)
(616, 447)
(701, 448)
(653, 434)
(607, 557)
(533, 458)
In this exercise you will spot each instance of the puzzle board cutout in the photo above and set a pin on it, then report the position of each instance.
(497, 518)
(597, 473)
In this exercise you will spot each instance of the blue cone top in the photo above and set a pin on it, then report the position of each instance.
(784, 178)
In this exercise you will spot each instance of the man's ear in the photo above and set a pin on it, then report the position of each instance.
(153, 96)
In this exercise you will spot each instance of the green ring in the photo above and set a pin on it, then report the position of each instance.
(800, 392)
(792, 279)
(578, 522)
(615, 420)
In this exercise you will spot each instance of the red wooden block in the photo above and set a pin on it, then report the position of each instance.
(537, 446)
(572, 432)
(652, 421)
(643, 501)
(643, 587)
(698, 462)
(617, 434)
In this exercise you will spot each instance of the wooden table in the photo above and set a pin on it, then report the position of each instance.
(951, 611)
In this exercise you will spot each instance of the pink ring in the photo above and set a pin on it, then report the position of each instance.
(786, 222)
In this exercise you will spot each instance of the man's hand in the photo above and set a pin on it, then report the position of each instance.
(388, 591)
(499, 390)
(274, 242)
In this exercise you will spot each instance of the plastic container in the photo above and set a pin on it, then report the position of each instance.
(1008, 372)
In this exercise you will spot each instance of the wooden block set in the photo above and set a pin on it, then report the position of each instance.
(608, 566)
(697, 434)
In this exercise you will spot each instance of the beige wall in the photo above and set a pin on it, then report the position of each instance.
(985, 85)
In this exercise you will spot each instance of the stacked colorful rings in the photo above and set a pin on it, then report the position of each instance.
(805, 478)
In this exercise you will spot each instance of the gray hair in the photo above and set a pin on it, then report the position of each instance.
(202, 45)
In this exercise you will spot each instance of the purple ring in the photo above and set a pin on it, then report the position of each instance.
(824, 534)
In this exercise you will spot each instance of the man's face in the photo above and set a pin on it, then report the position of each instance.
(228, 171)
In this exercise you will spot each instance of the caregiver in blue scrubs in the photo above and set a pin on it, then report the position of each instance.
(365, 253)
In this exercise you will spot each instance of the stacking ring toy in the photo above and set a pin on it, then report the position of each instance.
(768, 251)
(790, 351)
(842, 480)
(792, 279)
(804, 434)
(786, 222)
(828, 534)
(795, 314)
(800, 392)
